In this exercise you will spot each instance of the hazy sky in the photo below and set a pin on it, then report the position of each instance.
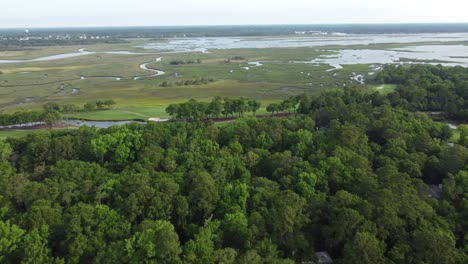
(66, 13)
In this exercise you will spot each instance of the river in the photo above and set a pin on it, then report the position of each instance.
(81, 52)
(79, 123)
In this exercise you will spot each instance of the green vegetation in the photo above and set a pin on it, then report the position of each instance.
(181, 62)
(463, 135)
(200, 76)
(199, 111)
(20, 117)
(348, 175)
(99, 104)
(122, 113)
(429, 88)
(456, 135)
(187, 82)
(4, 134)
(30, 85)
(385, 88)
(18, 45)
(18, 133)
(357, 170)
(52, 112)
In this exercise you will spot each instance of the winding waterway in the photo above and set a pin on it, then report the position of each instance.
(78, 123)
(81, 52)
(144, 66)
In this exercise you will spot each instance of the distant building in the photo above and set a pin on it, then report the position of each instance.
(14, 158)
(321, 258)
(433, 191)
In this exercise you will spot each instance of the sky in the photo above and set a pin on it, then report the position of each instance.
(92, 13)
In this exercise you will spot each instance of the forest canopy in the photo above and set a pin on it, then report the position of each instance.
(348, 174)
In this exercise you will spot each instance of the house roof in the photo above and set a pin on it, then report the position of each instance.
(323, 257)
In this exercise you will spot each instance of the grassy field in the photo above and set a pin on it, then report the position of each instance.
(136, 113)
(13, 133)
(29, 85)
(123, 114)
(384, 88)
(22, 133)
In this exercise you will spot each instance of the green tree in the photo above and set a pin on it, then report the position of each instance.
(203, 195)
(254, 106)
(172, 110)
(51, 117)
(5, 151)
(215, 108)
(286, 217)
(272, 108)
(433, 246)
(364, 248)
(201, 249)
(35, 248)
(226, 256)
(234, 198)
(10, 239)
(236, 233)
(88, 228)
(155, 242)
(463, 129)
(51, 107)
(90, 106)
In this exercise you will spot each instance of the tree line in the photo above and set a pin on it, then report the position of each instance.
(194, 110)
(182, 62)
(187, 82)
(31, 43)
(233, 107)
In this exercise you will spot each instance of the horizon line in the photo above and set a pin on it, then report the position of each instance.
(235, 25)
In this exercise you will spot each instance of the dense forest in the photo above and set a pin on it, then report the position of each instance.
(429, 88)
(348, 174)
